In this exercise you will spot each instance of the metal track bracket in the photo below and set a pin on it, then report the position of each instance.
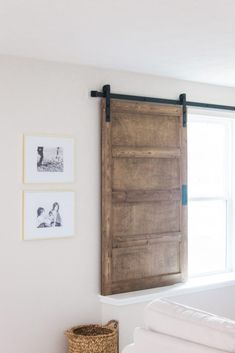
(184, 106)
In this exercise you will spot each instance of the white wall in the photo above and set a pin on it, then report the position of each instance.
(48, 286)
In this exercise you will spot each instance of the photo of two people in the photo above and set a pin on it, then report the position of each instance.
(49, 218)
(48, 214)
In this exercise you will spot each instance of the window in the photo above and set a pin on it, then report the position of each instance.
(210, 162)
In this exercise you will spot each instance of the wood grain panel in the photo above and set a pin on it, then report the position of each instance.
(142, 218)
(145, 173)
(137, 130)
(163, 257)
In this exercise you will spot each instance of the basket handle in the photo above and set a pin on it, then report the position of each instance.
(113, 324)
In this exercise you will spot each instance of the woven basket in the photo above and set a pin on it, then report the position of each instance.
(93, 338)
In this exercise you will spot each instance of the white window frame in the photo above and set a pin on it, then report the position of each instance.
(210, 116)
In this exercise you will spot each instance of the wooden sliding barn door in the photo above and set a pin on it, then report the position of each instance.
(144, 214)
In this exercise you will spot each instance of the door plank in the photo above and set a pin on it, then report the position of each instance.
(106, 253)
(145, 239)
(144, 152)
(146, 195)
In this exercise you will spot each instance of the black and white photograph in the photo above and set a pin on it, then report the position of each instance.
(48, 214)
(49, 217)
(48, 159)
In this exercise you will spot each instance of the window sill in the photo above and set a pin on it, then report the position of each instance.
(192, 286)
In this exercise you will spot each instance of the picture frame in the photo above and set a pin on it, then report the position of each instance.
(48, 214)
(48, 159)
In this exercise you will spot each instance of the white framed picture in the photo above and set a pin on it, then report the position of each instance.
(48, 214)
(48, 159)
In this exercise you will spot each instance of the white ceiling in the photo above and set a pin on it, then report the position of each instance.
(187, 39)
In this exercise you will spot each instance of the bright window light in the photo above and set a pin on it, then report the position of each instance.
(209, 208)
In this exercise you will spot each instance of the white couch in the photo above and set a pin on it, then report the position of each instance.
(175, 328)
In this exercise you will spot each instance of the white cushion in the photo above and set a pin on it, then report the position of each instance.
(153, 342)
(190, 324)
